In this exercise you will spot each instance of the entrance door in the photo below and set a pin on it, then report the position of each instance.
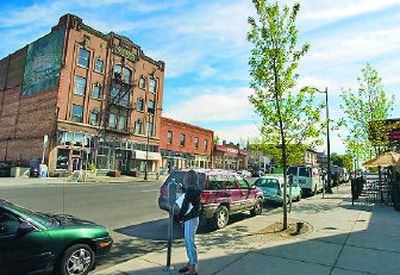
(76, 164)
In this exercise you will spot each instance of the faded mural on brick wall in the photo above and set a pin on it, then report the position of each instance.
(43, 63)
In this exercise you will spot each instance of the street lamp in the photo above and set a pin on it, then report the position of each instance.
(328, 144)
(147, 143)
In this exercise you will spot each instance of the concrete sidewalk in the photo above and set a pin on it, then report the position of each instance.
(345, 239)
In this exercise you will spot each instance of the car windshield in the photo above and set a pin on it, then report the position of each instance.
(268, 183)
(45, 220)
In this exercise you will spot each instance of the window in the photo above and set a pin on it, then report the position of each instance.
(142, 82)
(205, 144)
(150, 128)
(94, 116)
(80, 85)
(183, 138)
(153, 85)
(125, 100)
(99, 65)
(196, 143)
(140, 105)
(138, 127)
(243, 184)
(77, 113)
(230, 183)
(150, 106)
(169, 137)
(127, 75)
(83, 58)
(112, 121)
(118, 71)
(122, 123)
(119, 99)
(96, 91)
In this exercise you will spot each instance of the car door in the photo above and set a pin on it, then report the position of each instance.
(247, 197)
(8, 229)
(233, 190)
(33, 250)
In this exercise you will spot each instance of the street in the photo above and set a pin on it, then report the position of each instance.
(129, 210)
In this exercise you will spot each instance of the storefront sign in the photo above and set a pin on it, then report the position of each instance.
(146, 155)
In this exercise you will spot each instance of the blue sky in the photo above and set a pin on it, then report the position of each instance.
(204, 46)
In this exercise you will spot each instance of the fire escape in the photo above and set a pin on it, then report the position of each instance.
(118, 109)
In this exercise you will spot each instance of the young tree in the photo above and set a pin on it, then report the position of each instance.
(289, 118)
(366, 112)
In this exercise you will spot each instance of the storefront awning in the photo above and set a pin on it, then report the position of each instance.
(138, 154)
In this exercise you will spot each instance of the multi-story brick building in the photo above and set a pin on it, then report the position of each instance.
(184, 145)
(230, 156)
(97, 97)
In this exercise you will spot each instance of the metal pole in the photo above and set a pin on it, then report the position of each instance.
(171, 200)
(328, 144)
(147, 148)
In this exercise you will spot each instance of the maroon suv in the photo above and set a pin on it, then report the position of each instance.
(223, 193)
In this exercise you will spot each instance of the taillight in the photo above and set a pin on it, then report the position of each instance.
(163, 192)
(204, 197)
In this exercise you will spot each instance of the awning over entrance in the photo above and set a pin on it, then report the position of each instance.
(138, 154)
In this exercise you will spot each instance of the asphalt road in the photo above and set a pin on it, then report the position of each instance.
(129, 210)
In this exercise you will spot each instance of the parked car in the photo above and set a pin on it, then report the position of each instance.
(308, 178)
(223, 193)
(36, 243)
(5, 168)
(272, 187)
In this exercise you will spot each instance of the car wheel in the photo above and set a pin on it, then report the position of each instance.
(77, 260)
(221, 217)
(258, 207)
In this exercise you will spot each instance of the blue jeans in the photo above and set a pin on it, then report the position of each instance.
(190, 228)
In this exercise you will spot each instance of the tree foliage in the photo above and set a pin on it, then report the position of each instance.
(289, 118)
(342, 161)
(366, 111)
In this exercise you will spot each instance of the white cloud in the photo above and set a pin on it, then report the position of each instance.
(239, 133)
(315, 14)
(229, 106)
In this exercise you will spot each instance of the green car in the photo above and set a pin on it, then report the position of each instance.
(272, 187)
(36, 243)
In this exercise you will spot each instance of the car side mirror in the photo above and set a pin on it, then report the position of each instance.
(24, 228)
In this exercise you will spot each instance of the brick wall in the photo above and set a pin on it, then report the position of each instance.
(191, 131)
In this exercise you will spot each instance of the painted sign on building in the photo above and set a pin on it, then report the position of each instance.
(43, 63)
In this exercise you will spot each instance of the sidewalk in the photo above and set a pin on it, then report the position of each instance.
(345, 239)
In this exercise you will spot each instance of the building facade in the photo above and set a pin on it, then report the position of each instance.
(97, 97)
(230, 157)
(184, 145)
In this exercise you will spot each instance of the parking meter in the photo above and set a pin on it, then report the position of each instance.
(171, 203)
(172, 193)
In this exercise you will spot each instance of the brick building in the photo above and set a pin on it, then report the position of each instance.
(97, 97)
(184, 145)
(231, 157)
